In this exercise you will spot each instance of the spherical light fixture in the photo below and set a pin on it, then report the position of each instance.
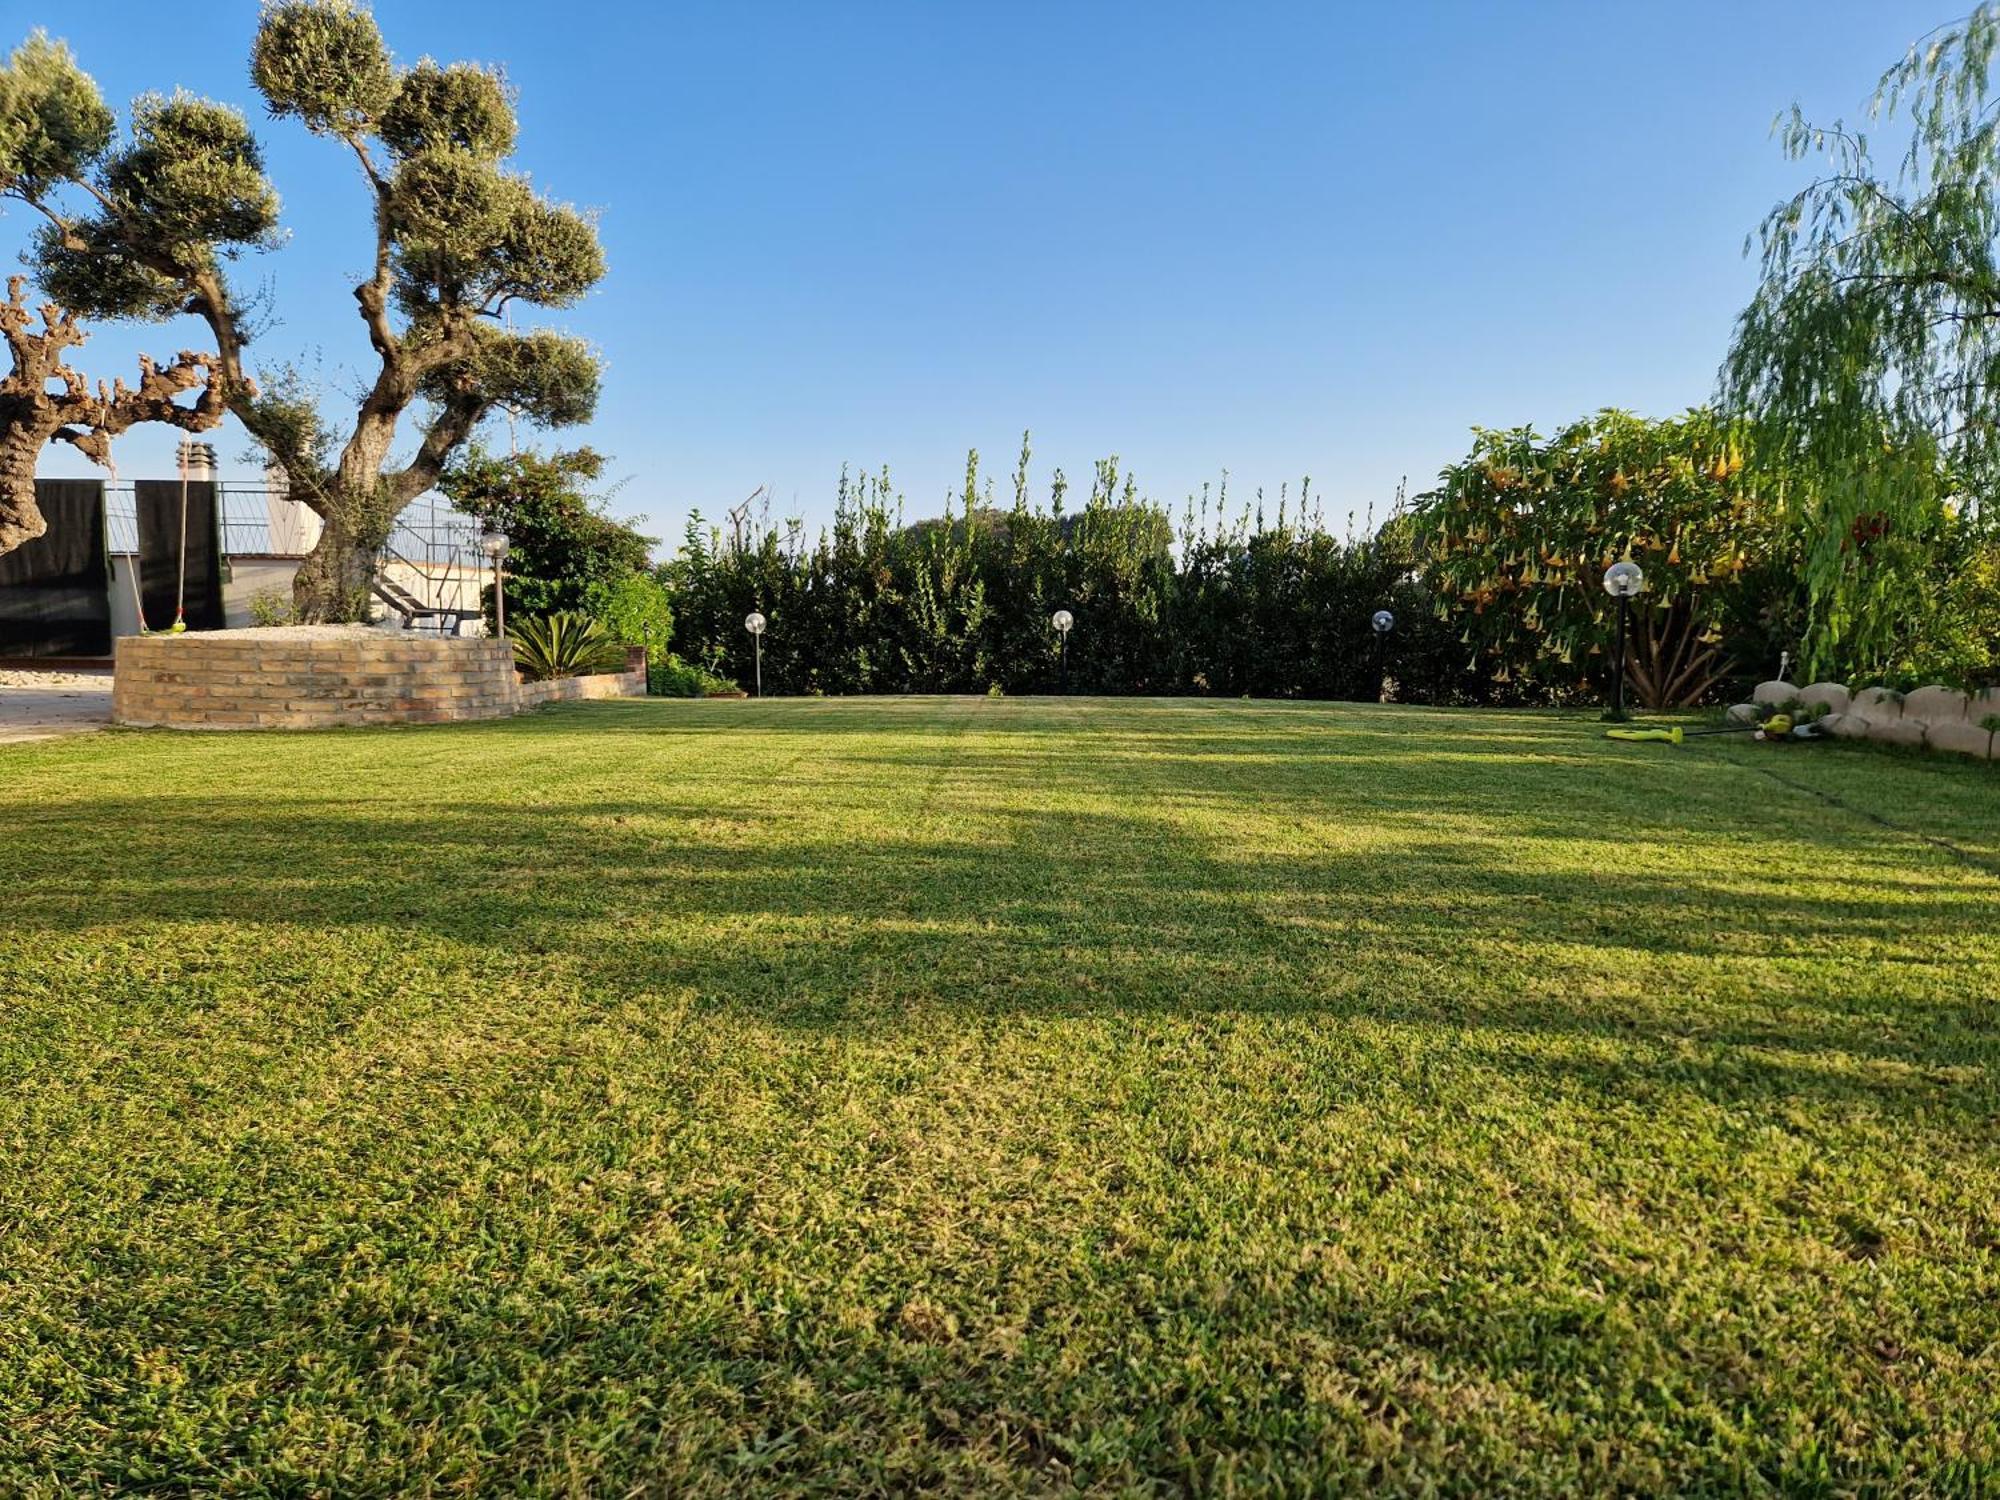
(754, 622)
(493, 542)
(1381, 622)
(1624, 580)
(1062, 619)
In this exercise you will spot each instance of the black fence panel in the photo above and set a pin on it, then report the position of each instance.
(161, 528)
(55, 597)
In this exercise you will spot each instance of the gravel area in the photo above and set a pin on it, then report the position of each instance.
(289, 633)
(11, 677)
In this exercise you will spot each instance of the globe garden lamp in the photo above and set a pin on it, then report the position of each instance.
(1063, 620)
(755, 623)
(1623, 581)
(493, 542)
(1381, 622)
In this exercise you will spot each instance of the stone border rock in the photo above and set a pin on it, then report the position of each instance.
(1936, 718)
(320, 679)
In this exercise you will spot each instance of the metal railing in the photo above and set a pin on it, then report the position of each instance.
(436, 540)
(244, 513)
(432, 557)
(430, 537)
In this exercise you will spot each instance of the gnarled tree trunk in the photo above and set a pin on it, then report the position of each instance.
(21, 444)
(334, 581)
(359, 505)
(32, 414)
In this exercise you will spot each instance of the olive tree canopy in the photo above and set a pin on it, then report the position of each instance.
(56, 134)
(458, 240)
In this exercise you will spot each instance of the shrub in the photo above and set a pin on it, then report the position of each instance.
(565, 645)
(1515, 538)
(563, 546)
(273, 607)
(635, 608)
(1226, 603)
(672, 677)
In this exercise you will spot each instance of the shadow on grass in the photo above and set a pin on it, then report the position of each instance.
(1735, 977)
(519, 1209)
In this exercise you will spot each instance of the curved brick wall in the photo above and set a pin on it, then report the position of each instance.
(280, 679)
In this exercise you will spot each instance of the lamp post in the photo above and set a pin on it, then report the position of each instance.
(755, 623)
(493, 542)
(1062, 619)
(1622, 580)
(1381, 622)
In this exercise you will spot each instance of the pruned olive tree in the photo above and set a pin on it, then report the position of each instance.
(1869, 360)
(54, 130)
(457, 240)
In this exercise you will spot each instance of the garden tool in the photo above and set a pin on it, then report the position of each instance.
(1671, 736)
(1777, 727)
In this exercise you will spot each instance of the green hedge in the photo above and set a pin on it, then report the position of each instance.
(1269, 605)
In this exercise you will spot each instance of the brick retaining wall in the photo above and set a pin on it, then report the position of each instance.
(630, 683)
(248, 679)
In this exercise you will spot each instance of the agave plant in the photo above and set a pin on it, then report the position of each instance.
(564, 645)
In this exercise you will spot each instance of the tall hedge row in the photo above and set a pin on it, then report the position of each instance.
(1219, 604)
(1494, 577)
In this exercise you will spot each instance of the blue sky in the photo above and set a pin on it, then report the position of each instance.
(1281, 239)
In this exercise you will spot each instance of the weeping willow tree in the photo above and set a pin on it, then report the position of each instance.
(1869, 360)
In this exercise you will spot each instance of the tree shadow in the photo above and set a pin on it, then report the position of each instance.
(1608, 945)
(1513, 942)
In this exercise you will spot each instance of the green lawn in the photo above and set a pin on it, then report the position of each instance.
(988, 1096)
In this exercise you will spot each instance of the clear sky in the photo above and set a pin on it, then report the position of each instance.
(1279, 238)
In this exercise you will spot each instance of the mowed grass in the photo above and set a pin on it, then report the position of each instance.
(984, 1097)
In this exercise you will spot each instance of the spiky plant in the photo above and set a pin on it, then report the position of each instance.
(564, 645)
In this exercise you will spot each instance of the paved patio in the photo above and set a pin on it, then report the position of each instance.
(37, 706)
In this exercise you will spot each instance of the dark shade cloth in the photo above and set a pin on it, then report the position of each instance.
(55, 592)
(159, 505)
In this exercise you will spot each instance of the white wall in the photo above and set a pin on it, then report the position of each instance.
(250, 576)
(124, 609)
